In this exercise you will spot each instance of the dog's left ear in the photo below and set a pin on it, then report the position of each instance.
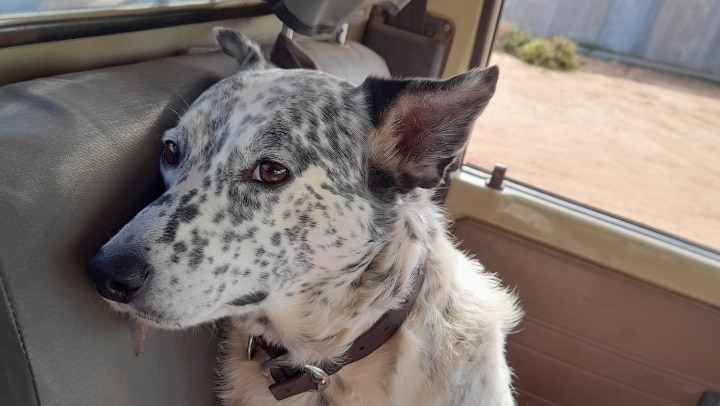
(421, 126)
(240, 47)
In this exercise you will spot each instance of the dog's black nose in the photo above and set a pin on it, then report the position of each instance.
(118, 277)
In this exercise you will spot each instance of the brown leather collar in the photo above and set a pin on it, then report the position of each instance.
(291, 380)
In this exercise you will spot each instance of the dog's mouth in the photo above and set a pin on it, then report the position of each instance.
(167, 321)
(152, 322)
(146, 317)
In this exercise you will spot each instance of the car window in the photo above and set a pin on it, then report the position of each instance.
(630, 127)
(54, 6)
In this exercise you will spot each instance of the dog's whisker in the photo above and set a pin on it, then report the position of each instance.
(187, 105)
(179, 116)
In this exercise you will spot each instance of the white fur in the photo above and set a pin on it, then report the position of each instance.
(466, 349)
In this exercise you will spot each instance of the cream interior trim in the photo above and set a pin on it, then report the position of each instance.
(466, 16)
(52, 58)
(652, 260)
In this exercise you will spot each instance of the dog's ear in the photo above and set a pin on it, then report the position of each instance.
(240, 47)
(421, 125)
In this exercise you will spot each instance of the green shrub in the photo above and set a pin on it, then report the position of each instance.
(538, 52)
(513, 40)
(565, 54)
(552, 53)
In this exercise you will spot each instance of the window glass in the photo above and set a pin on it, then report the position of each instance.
(634, 131)
(53, 6)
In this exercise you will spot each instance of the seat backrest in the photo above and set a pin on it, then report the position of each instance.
(78, 157)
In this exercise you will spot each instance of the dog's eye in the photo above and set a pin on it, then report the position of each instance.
(270, 172)
(171, 155)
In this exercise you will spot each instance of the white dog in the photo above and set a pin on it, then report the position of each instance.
(299, 208)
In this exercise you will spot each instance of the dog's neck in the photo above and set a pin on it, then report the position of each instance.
(382, 285)
(291, 380)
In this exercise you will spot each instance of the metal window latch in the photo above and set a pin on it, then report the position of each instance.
(497, 177)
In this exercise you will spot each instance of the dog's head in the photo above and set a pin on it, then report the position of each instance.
(282, 185)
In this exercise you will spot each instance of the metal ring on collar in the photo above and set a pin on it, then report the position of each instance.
(320, 377)
(251, 347)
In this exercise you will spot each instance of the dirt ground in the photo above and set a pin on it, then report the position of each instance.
(636, 143)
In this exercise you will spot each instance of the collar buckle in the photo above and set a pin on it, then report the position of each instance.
(317, 375)
(292, 380)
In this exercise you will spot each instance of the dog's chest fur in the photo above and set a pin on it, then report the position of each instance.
(448, 352)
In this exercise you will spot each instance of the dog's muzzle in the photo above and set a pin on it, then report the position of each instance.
(118, 277)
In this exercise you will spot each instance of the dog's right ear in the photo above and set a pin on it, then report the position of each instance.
(240, 47)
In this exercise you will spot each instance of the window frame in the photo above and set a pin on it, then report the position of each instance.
(655, 257)
(83, 24)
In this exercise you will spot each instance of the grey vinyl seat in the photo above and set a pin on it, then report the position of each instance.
(78, 158)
